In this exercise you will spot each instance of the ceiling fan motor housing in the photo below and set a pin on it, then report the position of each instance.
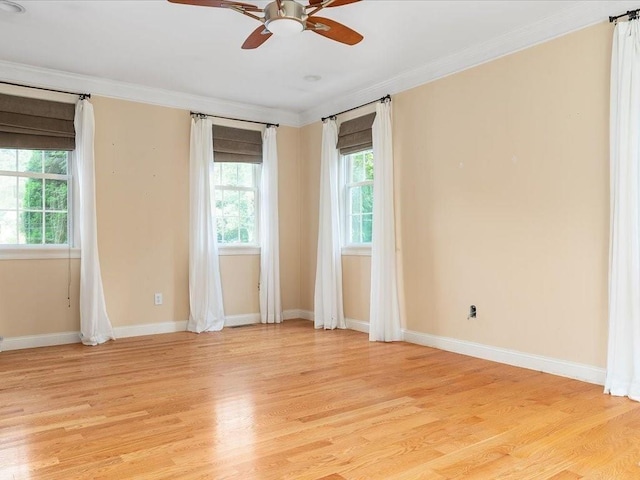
(290, 12)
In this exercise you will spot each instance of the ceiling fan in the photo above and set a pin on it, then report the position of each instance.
(286, 17)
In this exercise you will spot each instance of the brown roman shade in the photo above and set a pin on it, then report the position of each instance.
(236, 145)
(355, 135)
(36, 124)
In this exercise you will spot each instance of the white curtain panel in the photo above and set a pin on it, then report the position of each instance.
(623, 362)
(328, 308)
(270, 304)
(95, 327)
(205, 288)
(384, 318)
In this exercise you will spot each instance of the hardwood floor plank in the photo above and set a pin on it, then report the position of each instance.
(289, 402)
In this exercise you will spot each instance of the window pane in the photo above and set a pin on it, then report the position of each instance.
(30, 193)
(8, 227)
(229, 174)
(230, 230)
(30, 161)
(235, 206)
(8, 193)
(367, 224)
(367, 198)
(246, 230)
(55, 162)
(34, 209)
(31, 227)
(245, 175)
(8, 160)
(220, 228)
(55, 231)
(368, 165)
(357, 168)
(219, 203)
(355, 201)
(216, 174)
(55, 194)
(246, 205)
(356, 229)
(230, 203)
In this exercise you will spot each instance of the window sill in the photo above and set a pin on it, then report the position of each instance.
(357, 251)
(224, 250)
(37, 252)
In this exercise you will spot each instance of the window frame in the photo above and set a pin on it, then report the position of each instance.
(241, 248)
(18, 251)
(348, 247)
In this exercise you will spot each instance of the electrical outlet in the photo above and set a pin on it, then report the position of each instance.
(157, 299)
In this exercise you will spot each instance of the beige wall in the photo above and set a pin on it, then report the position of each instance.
(142, 197)
(142, 156)
(310, 147)
(502, 196)
(503, 174)
(33, 297)
(356, 286)
(289, 211)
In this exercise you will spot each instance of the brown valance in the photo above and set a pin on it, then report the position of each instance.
(236, 145)
(355, 135)
(36, 124)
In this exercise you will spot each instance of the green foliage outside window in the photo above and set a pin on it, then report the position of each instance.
(360, 196)
(235, 202)
(44, 209)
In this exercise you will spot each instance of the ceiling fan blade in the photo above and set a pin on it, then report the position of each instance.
(257, 38)
(218, 4)
(335, 3)
(333, 30)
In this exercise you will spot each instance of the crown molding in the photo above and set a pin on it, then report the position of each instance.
(48, 78)
(579, 16)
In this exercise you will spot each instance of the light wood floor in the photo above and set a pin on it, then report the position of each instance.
(289, 402)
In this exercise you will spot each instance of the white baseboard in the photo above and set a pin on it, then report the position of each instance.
(64, 338)
(45, 340)
(357, 325)
(297, 313)
(149, 329)
(563, 368)
(240, 320)
(578, 371)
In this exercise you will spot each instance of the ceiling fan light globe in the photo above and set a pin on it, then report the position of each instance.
(285, 27)
(286, 21)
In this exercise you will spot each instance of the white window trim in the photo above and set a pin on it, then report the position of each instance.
(47, 251)
(37, 252)
(349, 249)
(239, 248)
(357, 250)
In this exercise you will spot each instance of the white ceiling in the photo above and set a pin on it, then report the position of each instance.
(188, 56)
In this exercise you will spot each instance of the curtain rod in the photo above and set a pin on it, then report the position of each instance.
(383, 99)
(81, 95)
(202, 115)
(633, 14)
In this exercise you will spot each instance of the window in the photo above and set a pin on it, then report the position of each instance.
(358, 197)
(236, 197)
(34, 197)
